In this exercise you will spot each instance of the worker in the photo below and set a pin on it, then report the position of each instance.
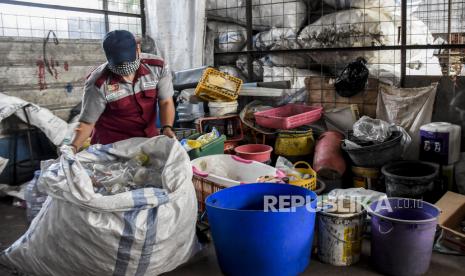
(121, 95)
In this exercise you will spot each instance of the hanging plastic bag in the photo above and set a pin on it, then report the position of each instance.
(353, 78)
(409, 108)
(406, 139)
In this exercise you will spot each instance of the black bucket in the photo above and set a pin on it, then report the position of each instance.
(376, 155)
(410, 179)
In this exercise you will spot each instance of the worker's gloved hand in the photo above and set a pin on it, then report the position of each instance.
(169, 132)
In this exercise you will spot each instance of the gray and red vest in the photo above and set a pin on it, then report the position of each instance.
(131, 108)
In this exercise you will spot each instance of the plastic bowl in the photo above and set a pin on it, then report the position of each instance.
(255, 152)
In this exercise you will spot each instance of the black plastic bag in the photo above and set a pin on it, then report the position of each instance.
(353, 78)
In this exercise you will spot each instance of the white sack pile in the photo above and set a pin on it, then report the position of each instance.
(56, 130)
(265, 13)
(276, 39)
(241, 64)
(393, 6)
(296, 76)
(224, 37)
(233, 71)
(364, 28)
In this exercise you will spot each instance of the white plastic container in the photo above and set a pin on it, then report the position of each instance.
(230, 170)
(222, 108)
(188, 112)
(440, 143)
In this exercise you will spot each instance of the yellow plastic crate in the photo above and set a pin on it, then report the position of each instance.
(218, 86)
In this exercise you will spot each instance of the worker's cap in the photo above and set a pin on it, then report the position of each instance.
(120, 47)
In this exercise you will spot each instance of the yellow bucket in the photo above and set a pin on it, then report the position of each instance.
(308, 183)
(365, 177)
(294, 143)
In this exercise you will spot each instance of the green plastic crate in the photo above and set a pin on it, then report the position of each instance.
(182, 133)
(214, 147)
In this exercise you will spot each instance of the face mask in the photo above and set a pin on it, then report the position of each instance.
(125, 69)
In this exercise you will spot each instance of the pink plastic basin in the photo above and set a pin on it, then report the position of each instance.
(256, 152)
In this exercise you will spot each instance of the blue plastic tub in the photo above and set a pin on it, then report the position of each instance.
(250, 241)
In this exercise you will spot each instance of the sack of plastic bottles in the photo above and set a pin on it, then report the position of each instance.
(34, 197)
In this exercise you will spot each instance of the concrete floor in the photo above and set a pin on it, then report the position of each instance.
(13, 225)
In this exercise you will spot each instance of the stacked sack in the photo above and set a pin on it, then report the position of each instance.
(277, 22)
(352, 23)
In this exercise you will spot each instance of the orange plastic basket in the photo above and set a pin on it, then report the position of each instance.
(218, 86)
(204, 188)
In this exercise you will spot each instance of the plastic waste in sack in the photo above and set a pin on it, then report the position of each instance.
(34, 197)
(360, 195)
(372, 130)
(353, 78)
(119, 177)
(201, 140)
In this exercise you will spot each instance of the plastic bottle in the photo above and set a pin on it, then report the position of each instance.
(34, 198)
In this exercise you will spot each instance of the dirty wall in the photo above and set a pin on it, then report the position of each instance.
(52, 76)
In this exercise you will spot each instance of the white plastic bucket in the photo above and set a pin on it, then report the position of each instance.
(230, 170)
(440, 143)
(222, 108)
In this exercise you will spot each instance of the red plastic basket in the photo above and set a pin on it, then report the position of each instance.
(288, 116)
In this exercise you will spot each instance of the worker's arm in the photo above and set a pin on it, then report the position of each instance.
(165, 101)
(93, 105)
(82, 132)
(167, 113)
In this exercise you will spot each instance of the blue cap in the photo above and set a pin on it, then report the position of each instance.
(120, 46)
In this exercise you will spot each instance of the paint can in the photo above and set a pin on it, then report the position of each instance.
(340, 230)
